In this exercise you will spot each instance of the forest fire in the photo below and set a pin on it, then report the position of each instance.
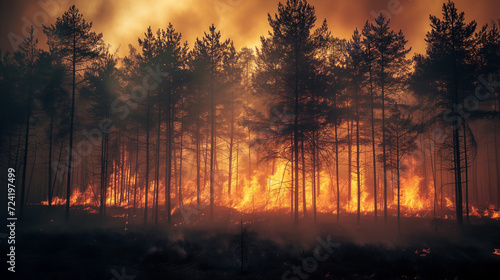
(308, 154)
(271, 192)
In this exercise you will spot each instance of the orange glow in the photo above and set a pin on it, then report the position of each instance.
(489, 212)
(269, 192)
(245, 21)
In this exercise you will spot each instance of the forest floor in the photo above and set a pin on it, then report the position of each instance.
(124, 248)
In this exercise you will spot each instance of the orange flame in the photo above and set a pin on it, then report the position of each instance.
(267, 191)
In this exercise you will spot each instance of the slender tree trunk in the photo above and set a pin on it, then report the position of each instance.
(433, 154)
(146, 188)
(168, 175)
(129, 173)
(490, 183)
(103, 174)
(73, 89)
(337, 166)
(50, 161)
(32, 171)
(384, 156)
(466, 169)
(175, 171)
(180, 165)
(237, 166)
(106, 171)
(213, 132)
(374, 157)
(304, 208)
(358, 173)
(115, 182)
(231, 142)
(122, 144)
(157, 171)
(198, 175)
(291, 177)
(174, 159)
(441, 184)
(424, 155)
(207, 142)
(456, 141)
(296, 146)
(497, 150)
(349, 163)
(475, 176)
(136, 182)
(18, 148)
(398, 182)
(458, 176)
(314, 147)
(249, 158)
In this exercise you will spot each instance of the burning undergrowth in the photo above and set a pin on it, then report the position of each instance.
(257, 246)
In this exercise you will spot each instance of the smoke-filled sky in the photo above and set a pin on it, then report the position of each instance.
(244, 21)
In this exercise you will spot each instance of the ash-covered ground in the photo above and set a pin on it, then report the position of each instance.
(266, 246)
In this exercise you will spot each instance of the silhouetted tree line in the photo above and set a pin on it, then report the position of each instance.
(303, 96)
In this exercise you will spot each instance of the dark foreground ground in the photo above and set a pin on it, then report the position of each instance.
(123, 248)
